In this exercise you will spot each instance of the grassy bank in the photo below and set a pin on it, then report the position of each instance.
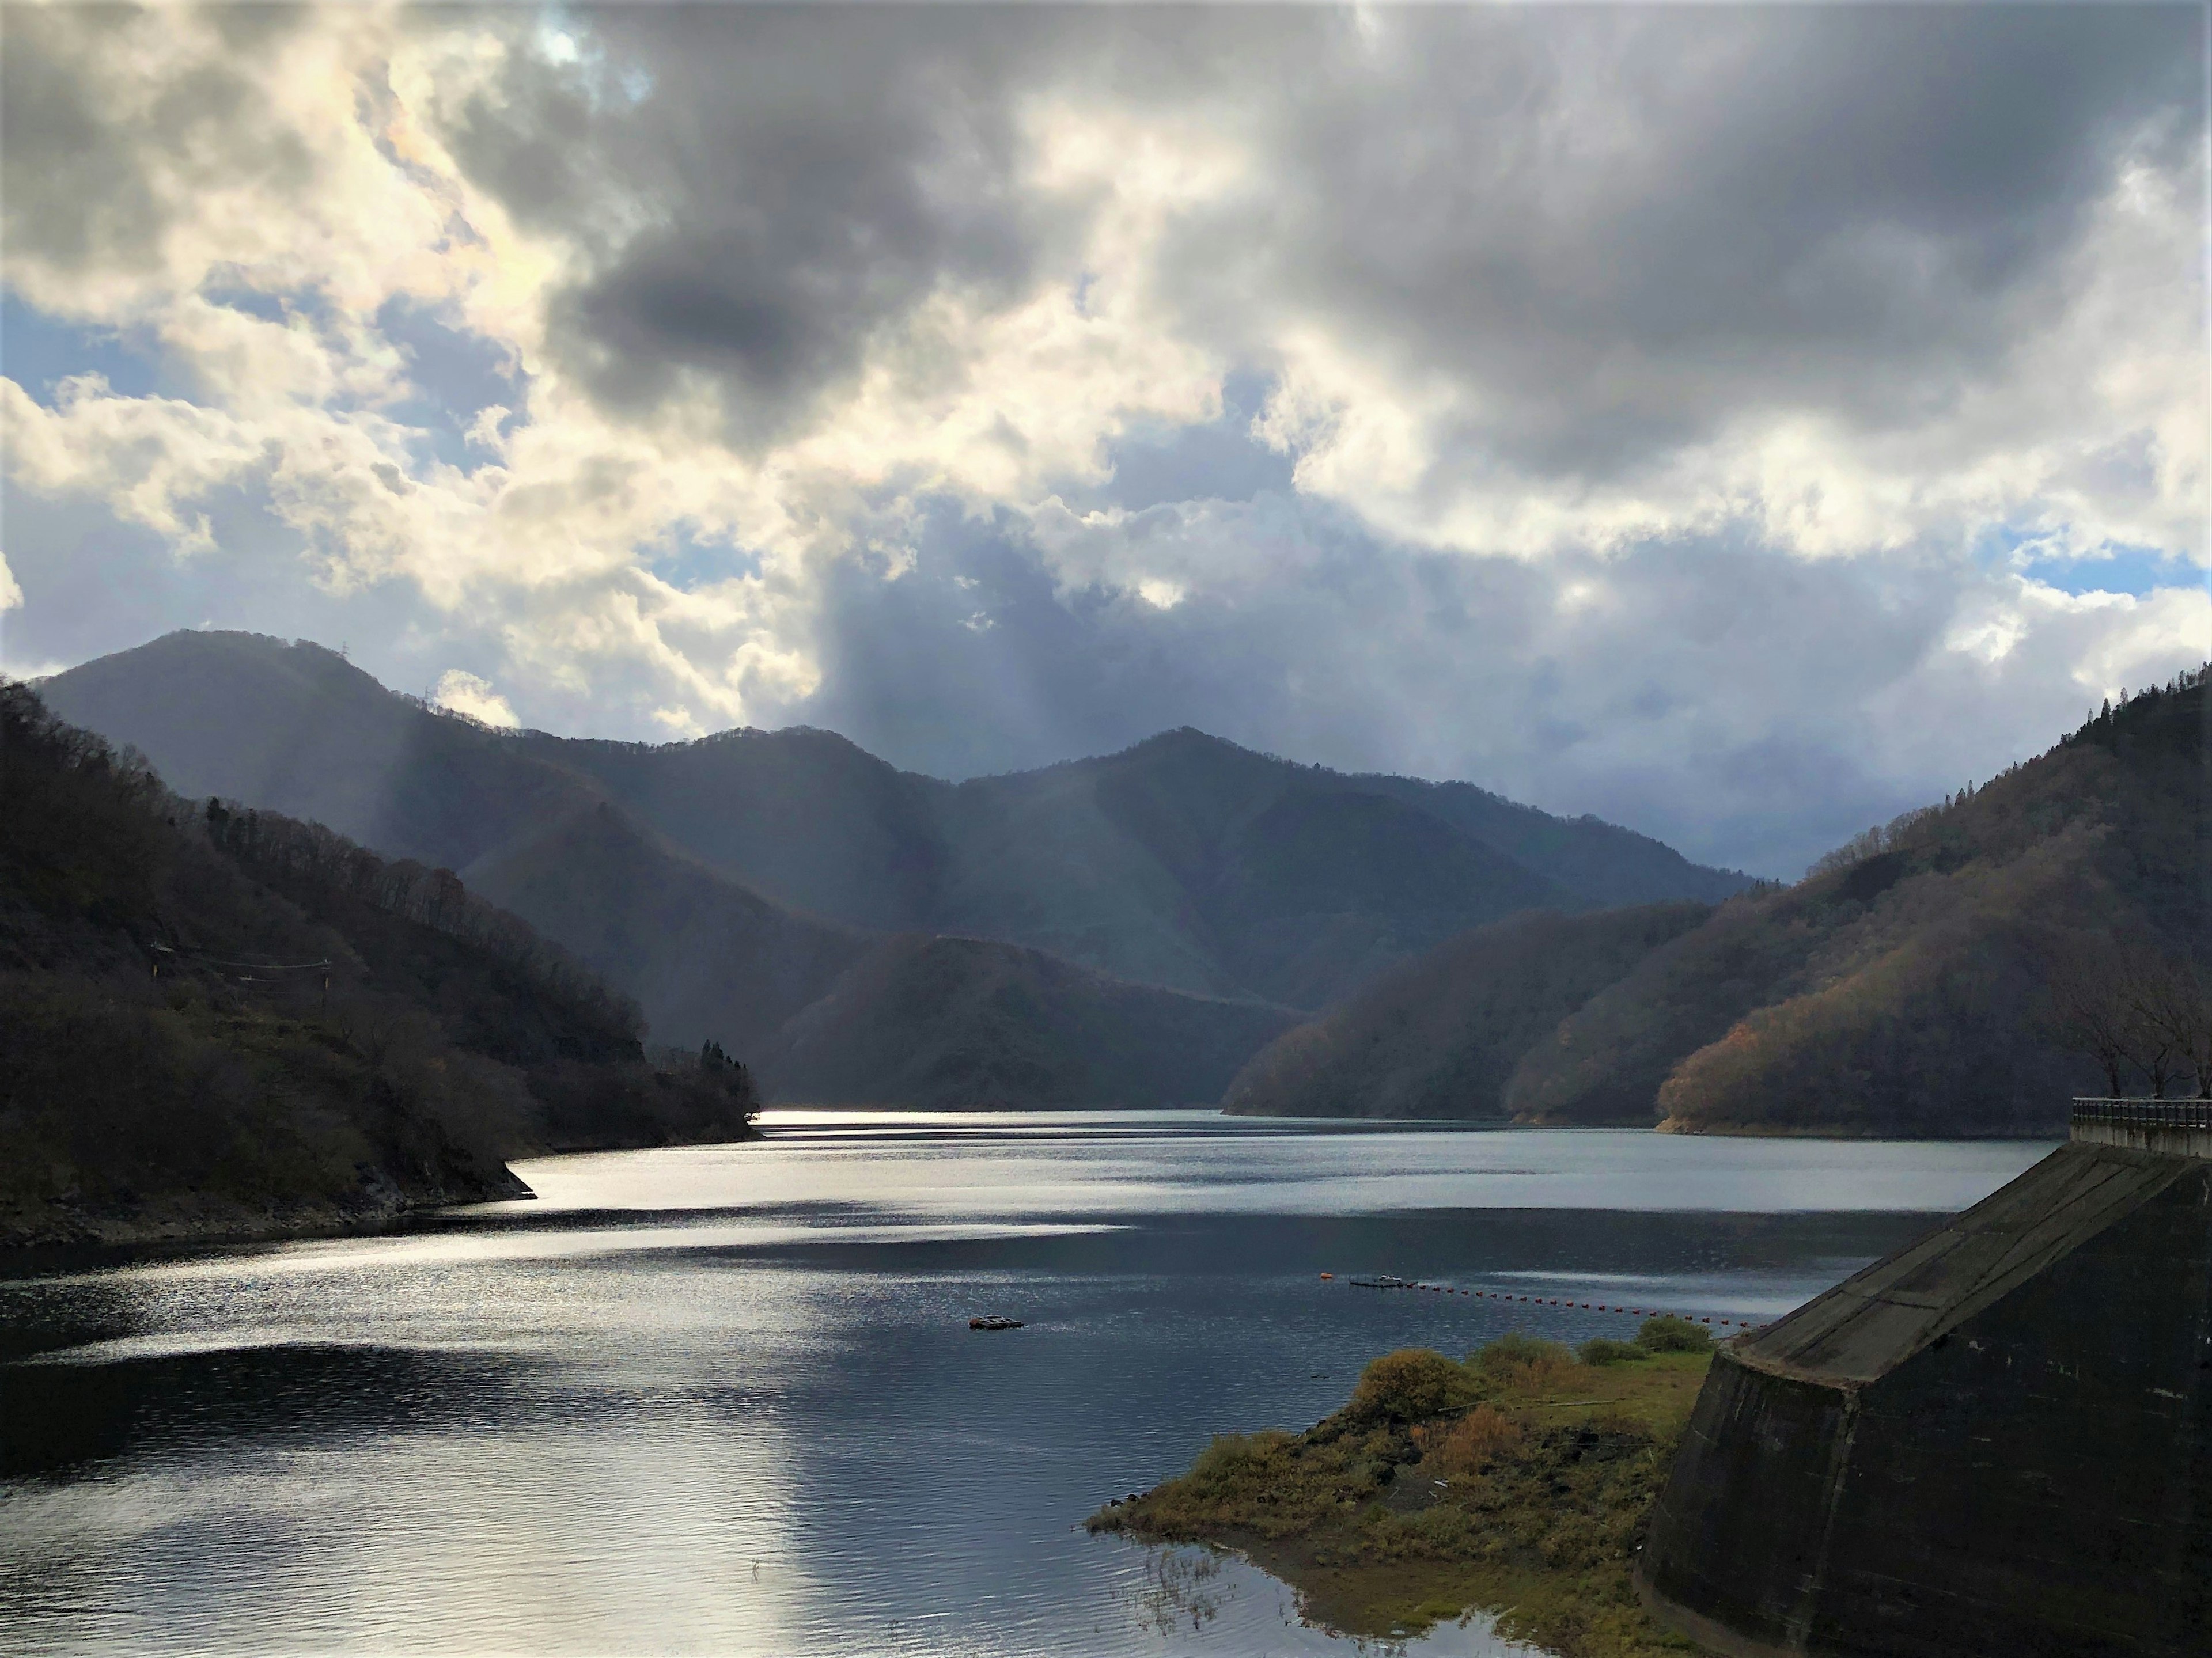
(1518, 1483)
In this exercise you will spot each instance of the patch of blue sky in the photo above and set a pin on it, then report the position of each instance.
(456, 374)
(38, 351)
(1219, 460)
(2133, 570)
(687, 563)
(268, 305)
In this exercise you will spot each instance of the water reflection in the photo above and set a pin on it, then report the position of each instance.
(695, 1403)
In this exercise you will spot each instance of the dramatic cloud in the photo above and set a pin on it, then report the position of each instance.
(1741, 422)
(472, 695)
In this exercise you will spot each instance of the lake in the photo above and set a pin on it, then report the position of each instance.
(724, 1399)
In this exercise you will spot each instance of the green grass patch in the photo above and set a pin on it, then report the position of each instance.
(1518, 1483)
(1668, 1334)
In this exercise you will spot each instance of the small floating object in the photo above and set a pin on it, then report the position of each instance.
(1328, 1275)
(995, 1323)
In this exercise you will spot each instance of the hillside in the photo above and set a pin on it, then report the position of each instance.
(949, 1023)
(1904, 987)
(1922, 1003)
(1440, 1036)
(220, 1022)
(1185, 861)
(299, 730)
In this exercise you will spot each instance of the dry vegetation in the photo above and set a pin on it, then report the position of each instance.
(1516, 1483)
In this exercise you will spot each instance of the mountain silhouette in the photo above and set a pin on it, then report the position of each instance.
(1184, 862)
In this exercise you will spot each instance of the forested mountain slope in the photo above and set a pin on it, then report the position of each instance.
(1904, 987)
(299, 730)
(949, 1023)
(1183, 861)
(1440, 1036)
(225, 1022)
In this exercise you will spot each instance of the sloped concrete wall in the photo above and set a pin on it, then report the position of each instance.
(2187, 1141)
(2035, 1482)
(1736, 1550)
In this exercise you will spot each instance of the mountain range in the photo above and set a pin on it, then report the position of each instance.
(1122, 930)
(1904, 987)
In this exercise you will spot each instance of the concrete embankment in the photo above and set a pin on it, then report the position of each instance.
(1996, 1441)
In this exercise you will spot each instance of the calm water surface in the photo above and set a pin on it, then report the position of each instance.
(724, 1399)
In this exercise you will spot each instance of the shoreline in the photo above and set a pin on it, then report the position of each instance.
(137, 1235)
(1516, 1484)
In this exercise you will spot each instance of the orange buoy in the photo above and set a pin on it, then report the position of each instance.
(1328, 1275)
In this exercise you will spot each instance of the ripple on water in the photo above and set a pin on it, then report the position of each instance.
(725, 1401)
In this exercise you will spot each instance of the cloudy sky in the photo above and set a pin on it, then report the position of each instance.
(1741, 423)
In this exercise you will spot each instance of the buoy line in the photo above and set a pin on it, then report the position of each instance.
(1386, 1281)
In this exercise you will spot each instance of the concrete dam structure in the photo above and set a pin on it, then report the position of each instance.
(1996, 1441)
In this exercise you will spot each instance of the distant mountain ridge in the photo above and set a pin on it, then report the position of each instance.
(297, 729)
(1443, 1035)
(1184, 861)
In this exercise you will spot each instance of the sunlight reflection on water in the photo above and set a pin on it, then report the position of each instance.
(725, 1399)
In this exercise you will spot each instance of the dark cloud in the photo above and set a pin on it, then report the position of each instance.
(1600, 237)
(1617, 228)
(1753, 709)
(1620, 228)
(86, 186)
(73, 186)
(803, 177)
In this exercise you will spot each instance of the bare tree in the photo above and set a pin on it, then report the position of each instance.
(2089, 1013)
(2171, 1017)
(2133, 1009)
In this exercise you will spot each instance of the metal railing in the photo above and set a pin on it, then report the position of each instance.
(2145, 1114)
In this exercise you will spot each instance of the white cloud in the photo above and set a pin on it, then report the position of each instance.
(1521, 287)
(11, 596)
(470, 694)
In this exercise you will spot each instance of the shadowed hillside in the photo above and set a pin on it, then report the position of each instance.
(299, 730)
(220, 1021)
(953, 1023)
(1440, 1036)
(1185, 861)
(1902, 987)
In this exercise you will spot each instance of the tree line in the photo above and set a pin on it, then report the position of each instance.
(275, 845)
(2141, 1015)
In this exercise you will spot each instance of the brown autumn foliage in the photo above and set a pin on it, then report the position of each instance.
(1938, 975)
(1909, 990)
(1470, 1444)
(1411, 1385)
